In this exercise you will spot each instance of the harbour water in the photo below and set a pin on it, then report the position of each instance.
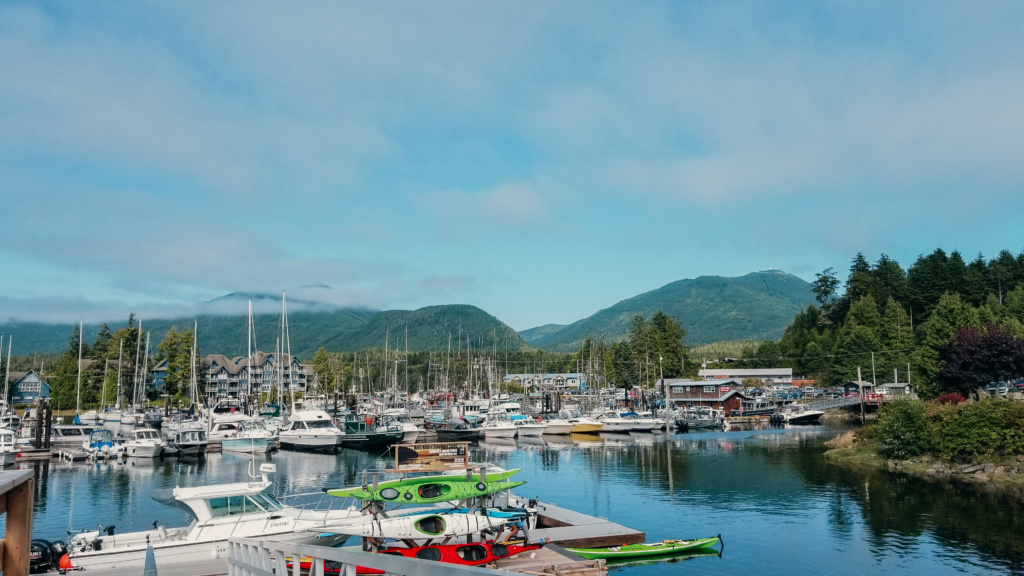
(780, 507)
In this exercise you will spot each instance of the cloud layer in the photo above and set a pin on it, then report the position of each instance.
(538, 160)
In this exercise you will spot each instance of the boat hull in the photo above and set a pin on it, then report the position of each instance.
(246, 445)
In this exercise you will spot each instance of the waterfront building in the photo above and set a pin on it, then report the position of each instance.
(771, 378)
(27, 387)
(224, 377)
(537, 382)
(723, 394)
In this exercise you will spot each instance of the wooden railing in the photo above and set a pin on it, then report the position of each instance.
(16, 490)
(269, 557)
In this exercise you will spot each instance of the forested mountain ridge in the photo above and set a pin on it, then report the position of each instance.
(345, 329)
(757, 306)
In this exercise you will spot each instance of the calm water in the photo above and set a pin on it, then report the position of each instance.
(779, 506)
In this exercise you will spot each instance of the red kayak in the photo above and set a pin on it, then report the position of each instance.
(465, 554)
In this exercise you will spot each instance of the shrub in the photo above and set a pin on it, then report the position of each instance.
(902, 429)
(962, 431)
(951, 398)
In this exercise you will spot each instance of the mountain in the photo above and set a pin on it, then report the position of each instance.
(339, 329)
(712, 308)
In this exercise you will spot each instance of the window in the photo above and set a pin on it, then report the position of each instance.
(709, 388)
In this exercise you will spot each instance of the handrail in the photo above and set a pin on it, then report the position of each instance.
(269, 557)
(16, 495)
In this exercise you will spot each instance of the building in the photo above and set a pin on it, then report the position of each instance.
(769, 377)
(724, 394)
(26, 387)
(536, 382)
(224, 377)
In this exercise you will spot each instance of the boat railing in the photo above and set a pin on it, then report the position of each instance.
(269, 557)
(316, 501)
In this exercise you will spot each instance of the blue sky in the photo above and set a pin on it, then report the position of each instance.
(540, 160)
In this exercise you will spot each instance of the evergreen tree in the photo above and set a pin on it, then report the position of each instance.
(950, 315)
(853, 351)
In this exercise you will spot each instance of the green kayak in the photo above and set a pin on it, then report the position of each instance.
(663, 548)
(430, 489)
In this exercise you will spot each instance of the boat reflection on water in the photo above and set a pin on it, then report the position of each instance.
(586, 438)
(532, 440)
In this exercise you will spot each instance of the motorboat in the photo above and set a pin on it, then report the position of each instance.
(190, 442)
(8, 447)
(251, 436)
(456, 430)
(529, 427)
(221, 511)
(613, 422)
(557, 426)
(498, 426)
(101, 444)
(144, 443)
(696, 417)
(580, 423)
(800, 414)
(311, 430)
(400, 417)
(359, 433)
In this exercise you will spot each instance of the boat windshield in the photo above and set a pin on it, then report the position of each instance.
(235, 505)
(146, 435)
(320, 424)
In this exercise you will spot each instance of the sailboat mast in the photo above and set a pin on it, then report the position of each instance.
(120, 351)
(7, 376)
(135, 376)
(78, 389)
(287, 346)
(248, 387)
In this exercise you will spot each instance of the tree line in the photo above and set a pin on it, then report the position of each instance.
(945, 325)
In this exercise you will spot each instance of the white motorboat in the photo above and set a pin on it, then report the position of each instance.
(251, 437)
(639, 423)
(799, 414)
(557, 426)
(529, 427)
(311, 430)
(144, 443)
(400, 417)
(8, 447)
(222, 511)
(613, 422)
(498, 427)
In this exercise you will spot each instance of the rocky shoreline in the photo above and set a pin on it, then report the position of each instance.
(1004, 475)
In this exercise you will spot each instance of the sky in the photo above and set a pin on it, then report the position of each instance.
(539, 160)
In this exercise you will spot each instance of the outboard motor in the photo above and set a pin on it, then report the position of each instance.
(44, 555)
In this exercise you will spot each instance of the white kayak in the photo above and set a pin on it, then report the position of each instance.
(441, 525)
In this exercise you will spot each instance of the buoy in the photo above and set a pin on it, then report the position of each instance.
(65, 563)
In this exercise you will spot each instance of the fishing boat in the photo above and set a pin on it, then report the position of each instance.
(699, 417)
(359, 434)
(190, 442)
(221, 511)
(101, 444)
(456, 430)
(663, 548)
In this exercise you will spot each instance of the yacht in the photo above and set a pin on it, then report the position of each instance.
(311, 430)
(557, 426)
(529, 427)
(251, 436)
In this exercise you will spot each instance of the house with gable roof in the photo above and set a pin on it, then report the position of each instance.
(722, 394)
